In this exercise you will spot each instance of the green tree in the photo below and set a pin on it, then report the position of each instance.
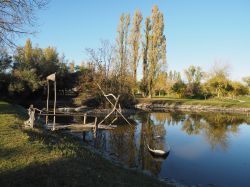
(194, 76)
(238, 89)
(179, 88)
(161, 83)
(219, 85)
(30, 68)
(218, 81)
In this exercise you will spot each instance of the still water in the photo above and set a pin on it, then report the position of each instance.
(207, 149)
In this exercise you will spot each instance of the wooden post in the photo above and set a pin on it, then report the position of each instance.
(54, 121)
(47, 101)
(32, 116)
(84, 119)
(95, 128)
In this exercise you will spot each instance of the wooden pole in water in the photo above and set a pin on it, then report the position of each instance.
(95, 128)
(47, 101)
(54, 122)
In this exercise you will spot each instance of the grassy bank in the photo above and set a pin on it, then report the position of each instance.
(240, 102)
(40, 158)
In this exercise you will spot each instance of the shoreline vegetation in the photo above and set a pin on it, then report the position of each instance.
(36, 157)
(239, 105)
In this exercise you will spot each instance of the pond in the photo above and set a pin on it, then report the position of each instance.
(206, 149)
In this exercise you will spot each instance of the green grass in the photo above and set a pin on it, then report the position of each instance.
(37, 157)
(240, 102)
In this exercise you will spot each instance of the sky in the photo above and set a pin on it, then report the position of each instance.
(198, 32)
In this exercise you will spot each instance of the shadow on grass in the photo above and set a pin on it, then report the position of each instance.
(77, 167)
(6, 108)
(74, 172)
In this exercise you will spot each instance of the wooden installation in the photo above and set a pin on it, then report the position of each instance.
(95, 126)
(114, 105)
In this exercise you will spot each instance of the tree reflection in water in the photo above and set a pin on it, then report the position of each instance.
(129, 143)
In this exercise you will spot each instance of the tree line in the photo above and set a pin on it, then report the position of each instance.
(114, 66)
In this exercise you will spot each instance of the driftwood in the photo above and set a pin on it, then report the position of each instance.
(30, 122)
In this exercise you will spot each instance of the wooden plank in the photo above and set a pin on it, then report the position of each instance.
(88, 126)
(63, 114)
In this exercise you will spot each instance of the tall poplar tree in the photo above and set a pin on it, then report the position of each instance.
(135, 36)
(122, 47)
(157, 48)
(145, 45)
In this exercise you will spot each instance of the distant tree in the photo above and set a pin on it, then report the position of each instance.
(17, 18)
(238, 89)
(72, 67)
(107, 51)
(5, 68)
(170, 75)
(103, 60)
(5, 60)
(219, 85)
(157, 48)
(179, 88)
(218, 81)
(161, 83)
(194, 76)
(247, 80)
(205, 90)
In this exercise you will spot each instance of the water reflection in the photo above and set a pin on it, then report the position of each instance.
(187, 133)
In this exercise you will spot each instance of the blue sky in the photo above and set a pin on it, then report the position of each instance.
(198, 32)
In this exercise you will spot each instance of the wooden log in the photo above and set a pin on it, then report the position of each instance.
(95, 127)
